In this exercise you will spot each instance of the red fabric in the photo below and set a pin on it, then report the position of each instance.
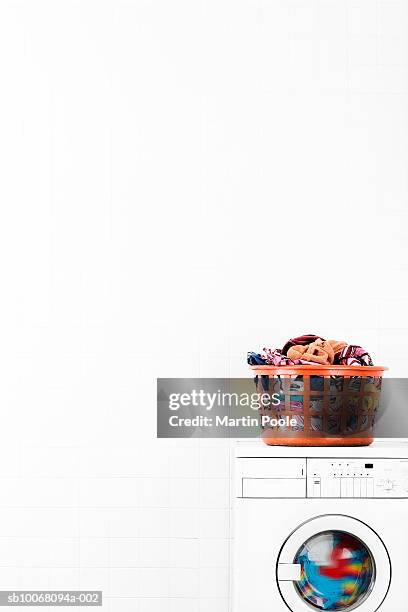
(339, 562)
(302, 340)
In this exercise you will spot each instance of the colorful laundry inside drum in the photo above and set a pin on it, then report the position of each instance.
(337, 571)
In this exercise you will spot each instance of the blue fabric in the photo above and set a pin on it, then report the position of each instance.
(255, 359)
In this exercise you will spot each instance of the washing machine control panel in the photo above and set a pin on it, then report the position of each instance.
(357, 478)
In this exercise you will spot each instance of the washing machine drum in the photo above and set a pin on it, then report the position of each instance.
(333, 563)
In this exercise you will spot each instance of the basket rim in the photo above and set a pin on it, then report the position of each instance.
(319, 370)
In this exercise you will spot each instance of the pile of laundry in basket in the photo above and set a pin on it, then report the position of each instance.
(310, 349)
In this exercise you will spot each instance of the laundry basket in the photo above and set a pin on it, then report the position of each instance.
(319, 405)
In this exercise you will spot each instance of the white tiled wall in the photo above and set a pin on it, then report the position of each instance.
(181, 182)
(151, 539)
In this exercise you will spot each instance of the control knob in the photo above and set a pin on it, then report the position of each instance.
(388, 485)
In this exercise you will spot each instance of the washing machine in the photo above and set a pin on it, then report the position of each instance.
(320, 528)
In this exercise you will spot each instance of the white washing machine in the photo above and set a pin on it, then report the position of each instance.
(320, 528)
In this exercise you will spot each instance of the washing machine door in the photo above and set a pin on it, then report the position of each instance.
(333, 562)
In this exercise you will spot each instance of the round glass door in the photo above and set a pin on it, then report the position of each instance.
(333, 562)
(337, 571)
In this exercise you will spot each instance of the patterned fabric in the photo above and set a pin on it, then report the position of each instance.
(311, 350)
(275, 357)
(354, 355)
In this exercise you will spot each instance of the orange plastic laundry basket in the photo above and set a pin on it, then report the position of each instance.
(321, 405)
